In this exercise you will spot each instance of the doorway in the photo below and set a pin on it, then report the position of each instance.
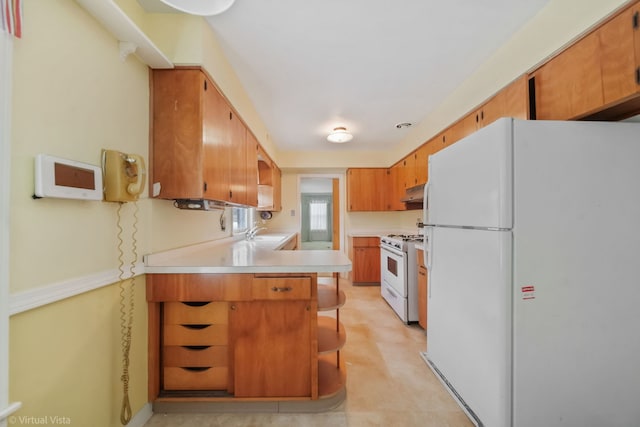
(319, 213)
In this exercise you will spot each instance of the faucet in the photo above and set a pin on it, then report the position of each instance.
(251, 233)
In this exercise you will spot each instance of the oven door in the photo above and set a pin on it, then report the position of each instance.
(393, 269)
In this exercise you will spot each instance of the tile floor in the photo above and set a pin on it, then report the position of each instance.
(388, 383)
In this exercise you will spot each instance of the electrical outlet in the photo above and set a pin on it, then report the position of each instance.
(293, 212)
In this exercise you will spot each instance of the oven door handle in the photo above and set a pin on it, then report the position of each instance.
(394, 251)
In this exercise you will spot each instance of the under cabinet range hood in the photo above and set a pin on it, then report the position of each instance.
(198, 204)
(414, 194)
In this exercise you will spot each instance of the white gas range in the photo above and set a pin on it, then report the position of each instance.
(399, 274)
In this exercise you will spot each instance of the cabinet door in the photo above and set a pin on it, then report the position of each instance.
(466, 126)
(422, 297)
(237, 160)
(409, 171)
(395, 187)
(276, 177)
(570, 85)
(512, 101)
(271, 348)
(366, 260)
(516, 99)
(365, 189)
(178, 133)
(620, 55)
(366, 265)
(252, 170)
(217, 145)
(421, 156)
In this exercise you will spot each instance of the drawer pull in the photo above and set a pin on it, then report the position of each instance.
(195, 326)
(196, 368)
(195, 303)
(196, 347)
(282, 289)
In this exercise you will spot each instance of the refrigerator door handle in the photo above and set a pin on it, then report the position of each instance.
(425, 205)
(428, 256)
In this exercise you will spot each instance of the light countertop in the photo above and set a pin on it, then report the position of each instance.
(233, 255)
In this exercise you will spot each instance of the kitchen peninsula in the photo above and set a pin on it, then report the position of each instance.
(234, 324)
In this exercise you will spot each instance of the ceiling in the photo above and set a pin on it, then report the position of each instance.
(367, 65)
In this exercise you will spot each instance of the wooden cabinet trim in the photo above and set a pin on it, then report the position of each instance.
(198, 287)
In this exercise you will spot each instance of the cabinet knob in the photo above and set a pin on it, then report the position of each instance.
(282, 289)
(233, 307)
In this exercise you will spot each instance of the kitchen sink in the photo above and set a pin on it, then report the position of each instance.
(271, 238)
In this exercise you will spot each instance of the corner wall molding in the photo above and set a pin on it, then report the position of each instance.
(20, 302)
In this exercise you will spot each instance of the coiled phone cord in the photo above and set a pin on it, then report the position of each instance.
(126, 318)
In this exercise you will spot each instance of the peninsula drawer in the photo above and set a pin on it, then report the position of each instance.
(196, 378)
(196, 312)
(281, 288)
(195, 356)
(195, 334)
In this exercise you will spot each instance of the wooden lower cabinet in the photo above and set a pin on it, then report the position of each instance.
(195, 345)
(422, 289)
(241, 336)
(271, 348)
(364, 253)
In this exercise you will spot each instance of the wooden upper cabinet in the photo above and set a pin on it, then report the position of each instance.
(512, 101)
(515, 99)
(200, 148)
(570, 85)
(178, 133)
(367, 189)
(596, 77)
(620, 55)
(270, 183)
(277, 187)
(442, 140)
(463, 127)
(252, 170)
(395, 186)
(216, 141)
(237, 161)
(421, 155)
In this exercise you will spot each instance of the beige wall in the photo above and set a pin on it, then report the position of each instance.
(73, 96)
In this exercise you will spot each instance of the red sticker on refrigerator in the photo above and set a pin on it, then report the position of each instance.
(528, 292)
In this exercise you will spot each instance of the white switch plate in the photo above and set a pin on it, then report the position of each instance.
(293, 212)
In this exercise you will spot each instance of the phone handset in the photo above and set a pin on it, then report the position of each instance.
(136, 171)
(124, 176)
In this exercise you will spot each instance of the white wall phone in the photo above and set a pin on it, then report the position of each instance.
(124, 176)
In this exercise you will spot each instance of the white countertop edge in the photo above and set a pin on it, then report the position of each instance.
(251, 269)
(221, 256)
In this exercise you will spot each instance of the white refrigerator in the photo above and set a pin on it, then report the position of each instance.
(533, 258)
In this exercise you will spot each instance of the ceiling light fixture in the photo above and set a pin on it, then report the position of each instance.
(339, 135)
(200, 7)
